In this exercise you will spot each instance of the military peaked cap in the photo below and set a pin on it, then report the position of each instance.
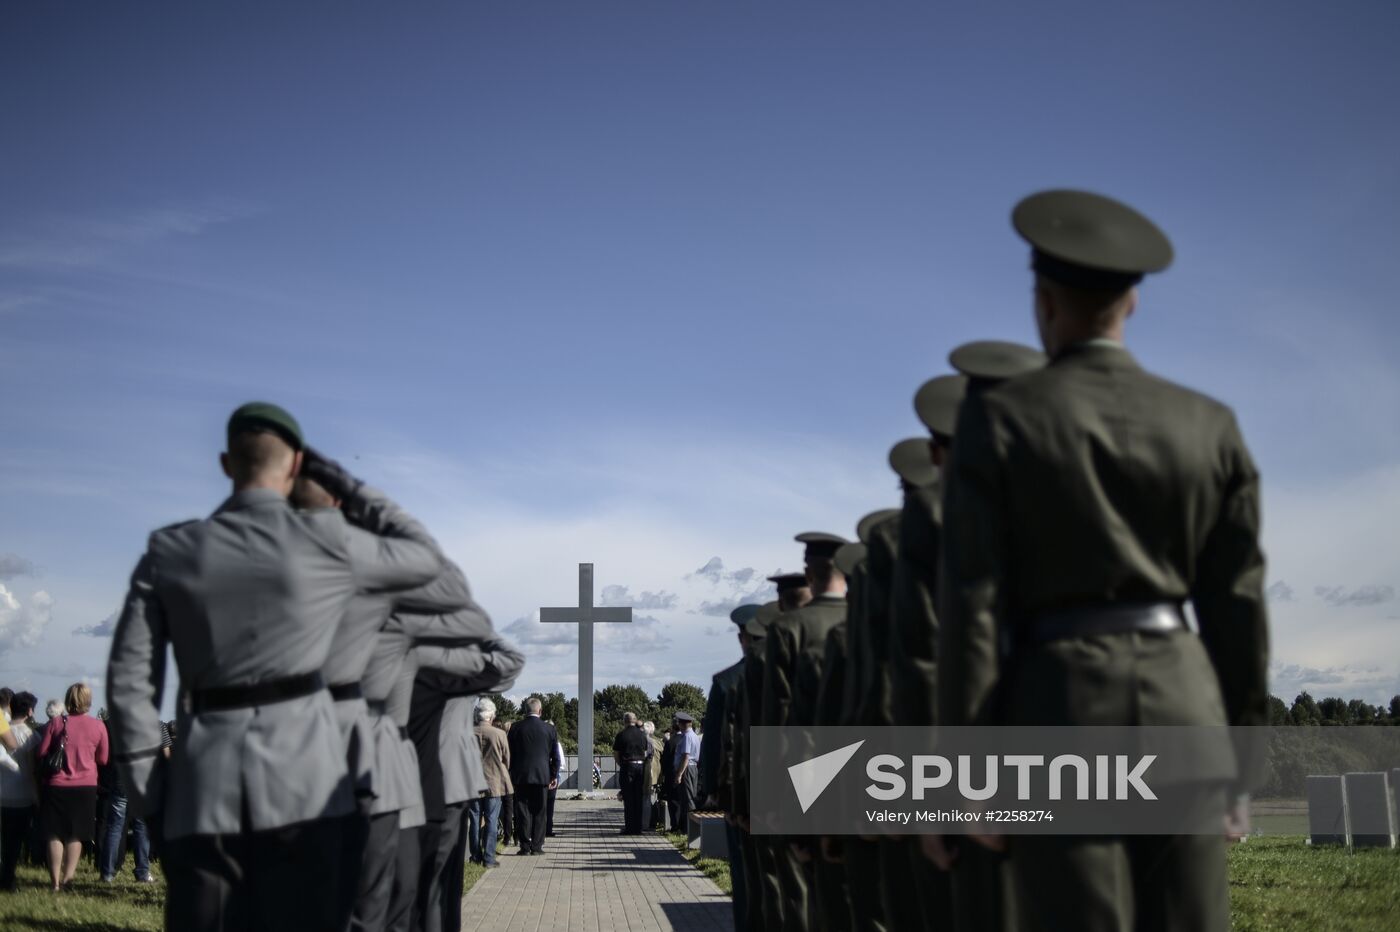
(848, 556)
(1087, 240)
(743, 614)
(912, 461)
(936, 403)
(866, 526)
(820, 545)
(786, 581)
(995, 360)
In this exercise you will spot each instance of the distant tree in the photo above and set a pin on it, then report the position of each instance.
(680, 697)
(506, 710)
(609, 705)
(1305, 711)
(1360, 712)
(1278, 712)
(553, 707)
(1333, 711)
(1395, 710)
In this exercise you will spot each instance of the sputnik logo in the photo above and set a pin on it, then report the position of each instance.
(811, 777)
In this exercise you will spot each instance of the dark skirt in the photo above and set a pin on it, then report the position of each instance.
(68, 813)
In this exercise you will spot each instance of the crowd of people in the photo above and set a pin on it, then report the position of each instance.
(1057, 515)
(60, 793)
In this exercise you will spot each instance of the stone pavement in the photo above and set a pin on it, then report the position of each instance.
(592, 878)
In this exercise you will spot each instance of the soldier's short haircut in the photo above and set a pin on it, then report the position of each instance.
(822, 573)
(1095, 306)
(254, 452)
(533, 705)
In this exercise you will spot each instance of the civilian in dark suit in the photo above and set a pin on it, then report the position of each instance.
(668, 790)
(534, 769)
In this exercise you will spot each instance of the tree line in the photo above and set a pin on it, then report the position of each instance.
(1306, 710)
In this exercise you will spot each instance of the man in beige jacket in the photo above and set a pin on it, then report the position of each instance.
(484, 812)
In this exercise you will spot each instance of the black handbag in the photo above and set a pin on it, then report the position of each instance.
(56, 761)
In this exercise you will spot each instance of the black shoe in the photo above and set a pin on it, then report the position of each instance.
(523, 851)
(550, 835)
(537, 851)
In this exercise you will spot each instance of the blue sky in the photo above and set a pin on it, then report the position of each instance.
(652, 284)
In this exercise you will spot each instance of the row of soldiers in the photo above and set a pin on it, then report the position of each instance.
(329, 656)
(1061, 511)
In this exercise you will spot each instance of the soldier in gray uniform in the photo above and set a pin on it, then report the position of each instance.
(367, 873)
(254, 796)
(1086, 502)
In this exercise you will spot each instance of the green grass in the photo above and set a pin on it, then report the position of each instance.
(713, 868)
(1279, 884)
(88, 906)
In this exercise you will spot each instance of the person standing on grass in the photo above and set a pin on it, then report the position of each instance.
(69, 810)
(109, 852)
(17, 789)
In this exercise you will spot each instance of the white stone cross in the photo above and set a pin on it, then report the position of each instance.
(586, 616)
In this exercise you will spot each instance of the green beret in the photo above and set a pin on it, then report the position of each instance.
(820, 545)
(936, 403)
(995, 360)
(865, 528)
(848, 556)
(912, 461)
(743, 614)
(1086, 240)
(265, 416)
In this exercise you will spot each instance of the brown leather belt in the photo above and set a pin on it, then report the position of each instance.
(1108, 618)
(224, 698)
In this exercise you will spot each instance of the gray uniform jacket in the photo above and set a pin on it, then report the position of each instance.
(463, 654)
(371, 748)
(254, 593)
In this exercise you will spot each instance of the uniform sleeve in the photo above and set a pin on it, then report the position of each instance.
(709, 742)
(135, 683)
(464, 625)
(490, 665)
(389, 549)
(831, 692)
(778, 661)
(1228, 594)
(972, 585)
(447, 593)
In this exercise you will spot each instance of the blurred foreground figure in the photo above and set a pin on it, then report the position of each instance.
(1085, 503)
(257, 792)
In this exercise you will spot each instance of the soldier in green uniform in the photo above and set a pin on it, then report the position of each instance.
(765, 901)
(792, 665)
(830, 905)
(716, 753)
(978, 892)
(1086, 502)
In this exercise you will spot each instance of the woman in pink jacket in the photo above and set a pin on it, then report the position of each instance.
(69, 808)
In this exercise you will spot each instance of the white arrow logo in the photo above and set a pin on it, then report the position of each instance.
(811, 778)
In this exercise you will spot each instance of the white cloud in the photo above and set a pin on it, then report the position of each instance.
(13, 565)
(103, 629)
(620, 597)
(22, 625)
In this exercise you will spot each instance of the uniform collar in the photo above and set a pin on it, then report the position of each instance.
(1098, 353)
(829, 597)
(251, 498)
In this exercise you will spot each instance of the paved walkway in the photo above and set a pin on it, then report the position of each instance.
(592, 878)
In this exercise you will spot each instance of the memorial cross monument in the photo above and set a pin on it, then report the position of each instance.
(585, 615)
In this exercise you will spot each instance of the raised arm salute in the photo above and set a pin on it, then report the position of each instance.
(250, 600)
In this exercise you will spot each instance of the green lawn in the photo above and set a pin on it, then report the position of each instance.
(1277, 884)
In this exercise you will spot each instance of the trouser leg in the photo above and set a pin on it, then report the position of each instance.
(983, 894)
(206, 885)
(753, 881)
(536, 796)
(733, 840)
(1070, 882)
(493, 812)
(774, 902)
(114, 824)
(897, 894)
(549, 812)
(353, 847)
(792, 878)
(452, 879)
(376, 888)
(429, 891)
(631, 779)
(1179, 882)
(829, 899)
(863, 884)
(289, 887)
(141, 848)
(405, 886)
(14, 830)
